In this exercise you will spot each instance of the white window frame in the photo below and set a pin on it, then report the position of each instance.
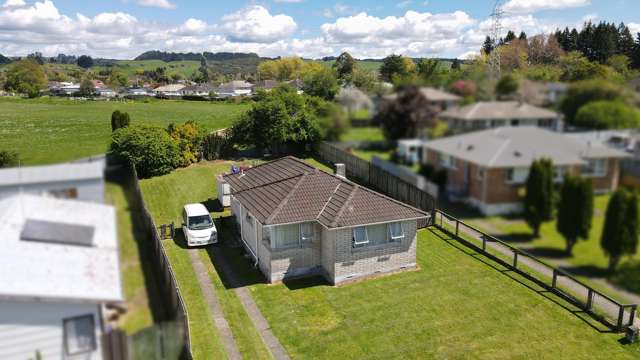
(304, 239)
(592, 166)
(301, 239)
(447, 161)
(65, 337)
(512, 179)
(396, 238)
(357, 243)
(480, 173)
(559, 173)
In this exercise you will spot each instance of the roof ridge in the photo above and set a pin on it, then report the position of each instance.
(392, 199)
(269, 183)
(341, 211)
(329, 200)
(280, 159)
(285, 200)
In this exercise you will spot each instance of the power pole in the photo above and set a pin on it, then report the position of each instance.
(496, 30)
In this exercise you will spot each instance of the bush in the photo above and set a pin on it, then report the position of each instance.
(8, 158)
(606, 114)
(585, 92)
(150, 149)
(436, 176)
(507, 85)
(119, 120)
(189, 140)
(626, 276)
(538, 201)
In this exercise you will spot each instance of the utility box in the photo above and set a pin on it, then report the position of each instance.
(224, 191)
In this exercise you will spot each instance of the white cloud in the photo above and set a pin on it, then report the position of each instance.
(404, 4)
(530, 6)
(256, 24)
(634, 28)
(14, 3)
(165, 4)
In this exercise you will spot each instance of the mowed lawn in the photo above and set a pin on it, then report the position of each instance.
(588, 260)
(54, 130)
(457, 305)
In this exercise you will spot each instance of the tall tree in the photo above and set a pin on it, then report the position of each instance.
(85, 61)
(507, 85)
(575, 210)
(395, 66)
(522, 36)
(626, 42)
(620, 231)
(510, 37)
(428, 71)
(321, 82)
(538, 200)
(487, 46)
(406, 114)
(635, 57)
(344, 66)
(27, 77)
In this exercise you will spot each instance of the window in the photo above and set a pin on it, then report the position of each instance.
(360, 236)
(248, 219)
(287, 236)
(396, 232)
(64, 194)
(559, 172)
(516, 175)
(479, 173)
(377, 234)
(595, 167)
(447, 161)
(79, 334)
(306, 232)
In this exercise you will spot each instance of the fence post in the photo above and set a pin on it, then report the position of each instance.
(515, 259)
(632, 316)
(555, 278)
(590, 299)
(620, 317)
(457, 226)
(484, 243)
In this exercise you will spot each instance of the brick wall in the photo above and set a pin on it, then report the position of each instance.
(351, 263)
(296, 261)
(610, 181)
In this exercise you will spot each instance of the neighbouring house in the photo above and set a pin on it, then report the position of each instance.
(138, 92)
(540, 93)
(411, 151)
(60, 272)
(65, 89)
(492, 114)
(432, 96)
(296, 220)
(171, 90)
(234, 88)
(106, 92)
(488, 169)
(353, 100)
(98, 84)
(197, 90)
(266, 85)
(80, 181)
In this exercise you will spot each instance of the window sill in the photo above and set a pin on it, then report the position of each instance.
(376, 247)
(306, 245)
(593, 175)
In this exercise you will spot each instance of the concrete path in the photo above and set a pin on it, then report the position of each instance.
(226, 336)
(270, 340)
(576, 289)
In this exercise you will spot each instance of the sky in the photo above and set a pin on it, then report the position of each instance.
(122, 29)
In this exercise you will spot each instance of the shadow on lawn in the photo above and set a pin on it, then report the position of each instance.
(548, 252)
(518, 237)
(590, 271)
(531, 285)
(122, 178)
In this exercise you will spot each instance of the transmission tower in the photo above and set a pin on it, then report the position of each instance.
(496, 30)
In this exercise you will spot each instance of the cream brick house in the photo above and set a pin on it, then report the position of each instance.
(297, 220)
(488, 169)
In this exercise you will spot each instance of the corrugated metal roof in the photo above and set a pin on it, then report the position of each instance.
(288, 190)
(52, 173)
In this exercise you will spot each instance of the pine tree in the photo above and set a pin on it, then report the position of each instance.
(522, 36)
(621, 225)
(635, 57)
(538, 201)
(575, 210)
(626, 42)
(510, 37)
(487, 46)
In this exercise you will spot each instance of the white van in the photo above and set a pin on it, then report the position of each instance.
(197, 225)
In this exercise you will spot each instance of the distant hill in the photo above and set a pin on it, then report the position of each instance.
(4, 60)
(171, 56)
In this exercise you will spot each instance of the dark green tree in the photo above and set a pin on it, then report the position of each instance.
(625, 42)
(8, 158)
(119, 120)
(581, 93)
(87, 88)
(635, 56)
(607, 114)
(149, 148)
(507, 85)
(620, 231)
(344, 66)
(429, 71)
(575, 210)
(394, 66)
(487, 46)
(455, 65)
(406, 114)
(27, 77)
(522, 36)
(85, 61)
(538, 200)
(510, 37)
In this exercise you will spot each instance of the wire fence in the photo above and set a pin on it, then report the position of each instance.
(379, 179)
(615, 315)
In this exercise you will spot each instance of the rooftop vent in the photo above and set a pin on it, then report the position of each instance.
(517, 154)
(57, 233)
(470, 147)
(341, 170)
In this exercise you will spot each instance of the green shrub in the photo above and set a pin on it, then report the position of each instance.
(189, 140)
(8, 158)
(119, 120)
(150, 149)
(584, 92)
(606, 114)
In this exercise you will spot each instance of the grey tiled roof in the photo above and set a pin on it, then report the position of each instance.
(493, 110)
(288, 190)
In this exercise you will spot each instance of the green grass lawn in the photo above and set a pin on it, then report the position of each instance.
(455, 306)
(53, 130)
(588, 260)
(363, 134)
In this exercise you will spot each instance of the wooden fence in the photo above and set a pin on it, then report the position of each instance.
(379, 179)
(610, 312)
(167, 284)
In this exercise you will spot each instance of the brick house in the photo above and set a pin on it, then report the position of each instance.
(296, 220)
(492, 114)
(488, 169)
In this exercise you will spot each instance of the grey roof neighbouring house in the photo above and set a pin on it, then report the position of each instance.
(519, 146)
(499, 110)
(288, 190)
(432, 95)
